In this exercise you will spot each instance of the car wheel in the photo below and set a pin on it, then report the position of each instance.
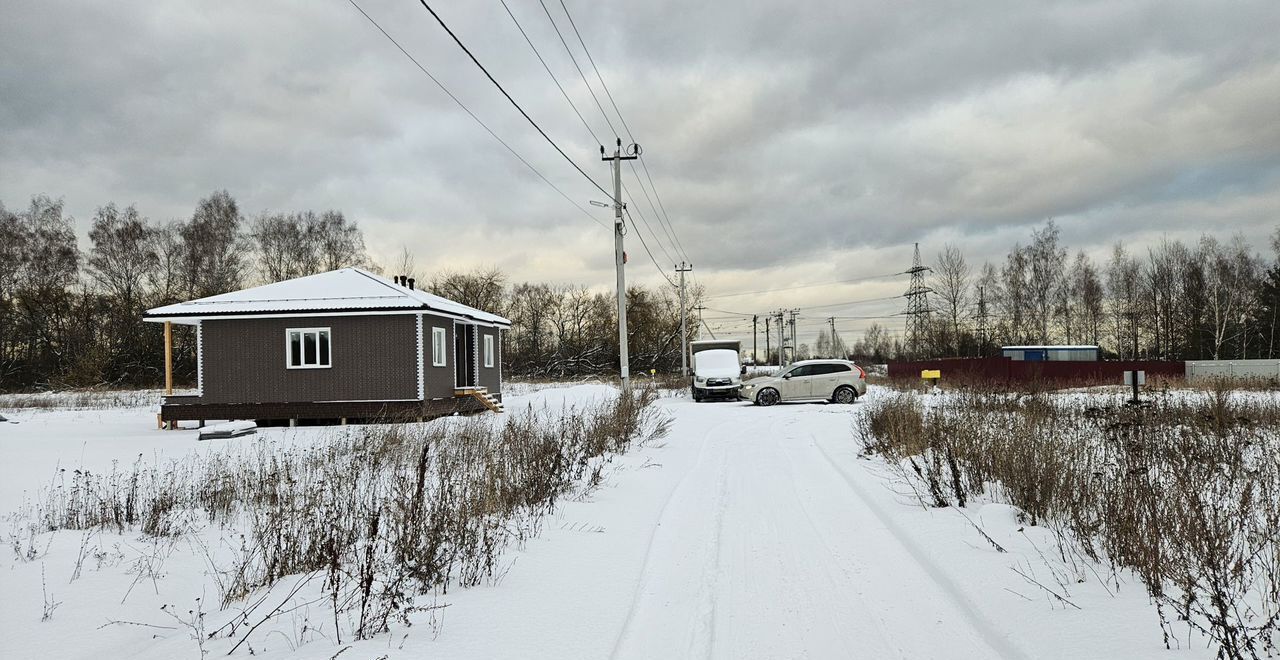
(697, 395)
(844, 395)
(767, 397)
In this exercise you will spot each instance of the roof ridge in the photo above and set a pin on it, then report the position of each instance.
(386, 283)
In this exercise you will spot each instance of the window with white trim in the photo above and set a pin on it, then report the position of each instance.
(438, 345)
(308, 348)
(488, 351)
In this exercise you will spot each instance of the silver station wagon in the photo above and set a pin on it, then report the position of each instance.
(837, 381)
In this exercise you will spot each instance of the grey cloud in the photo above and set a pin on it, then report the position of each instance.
(790, 142)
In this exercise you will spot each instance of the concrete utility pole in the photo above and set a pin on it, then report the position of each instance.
(754, 357)
(684, 312)
(619, 256)
(795, 344)
(982, 322)
(782, 341)
(768, 350)
(832, 321)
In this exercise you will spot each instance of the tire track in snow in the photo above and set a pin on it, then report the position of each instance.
(967, 608)
(702, 643)
(646, 567)
(838, 560)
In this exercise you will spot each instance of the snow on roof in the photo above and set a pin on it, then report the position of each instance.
(342, 289)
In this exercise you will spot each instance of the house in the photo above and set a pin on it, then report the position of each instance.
(337, 346)
(1051, 353)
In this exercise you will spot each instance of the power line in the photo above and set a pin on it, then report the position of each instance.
(722, 311)
(473, 116)
(806, 286)
(640, 236)
(550, 73)
(586, 125)
(600, 107)
(596, 69)
(855, 302)
(513, 101)
(579, 69)
(646, 224)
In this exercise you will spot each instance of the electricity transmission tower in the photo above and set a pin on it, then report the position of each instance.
(619, 256)
(917, 311)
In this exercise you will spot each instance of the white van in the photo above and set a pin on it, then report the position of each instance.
(717, 370)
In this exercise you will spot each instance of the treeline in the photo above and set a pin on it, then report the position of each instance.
(1168, 301)
(73, 318)
(569, 330)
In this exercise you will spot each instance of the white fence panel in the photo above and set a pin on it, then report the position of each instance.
(1252, 369)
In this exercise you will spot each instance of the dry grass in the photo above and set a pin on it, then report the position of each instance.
(92, 399)
(379, 514)
(1185, 493)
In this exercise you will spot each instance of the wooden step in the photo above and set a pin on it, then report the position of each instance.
(488, 400)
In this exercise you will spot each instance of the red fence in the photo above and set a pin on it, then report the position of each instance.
(1001, 368)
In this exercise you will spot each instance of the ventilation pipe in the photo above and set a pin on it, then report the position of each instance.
(411, 284)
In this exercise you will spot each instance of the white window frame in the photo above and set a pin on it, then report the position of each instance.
(488, 351)
(288, 363)
(439, 351)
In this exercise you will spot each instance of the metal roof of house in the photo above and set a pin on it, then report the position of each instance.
(345, 289)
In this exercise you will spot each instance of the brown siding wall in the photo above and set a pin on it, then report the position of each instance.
(374, 358)
(438, 381)
(488, 376)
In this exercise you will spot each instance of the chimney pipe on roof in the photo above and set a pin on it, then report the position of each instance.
(399, 280)
(411, 284)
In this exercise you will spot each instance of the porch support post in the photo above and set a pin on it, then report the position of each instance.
(168, 358)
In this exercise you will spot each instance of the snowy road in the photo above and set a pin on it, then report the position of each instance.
(767, 547)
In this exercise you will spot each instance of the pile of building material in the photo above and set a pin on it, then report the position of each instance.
(228, 430)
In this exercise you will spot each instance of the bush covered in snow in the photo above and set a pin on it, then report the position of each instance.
(1185, 493)
(360, 523)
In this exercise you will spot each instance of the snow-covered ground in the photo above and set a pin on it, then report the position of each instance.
(746, 533)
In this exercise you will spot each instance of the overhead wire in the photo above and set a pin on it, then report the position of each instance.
(645, 221)
(575, 66)
(585, 123)
(473, 115)
(547, 67)
(573, 24)
(508, 96)
(647, 251)
(806, 286)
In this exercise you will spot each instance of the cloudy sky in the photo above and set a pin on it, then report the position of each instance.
(790, 143)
